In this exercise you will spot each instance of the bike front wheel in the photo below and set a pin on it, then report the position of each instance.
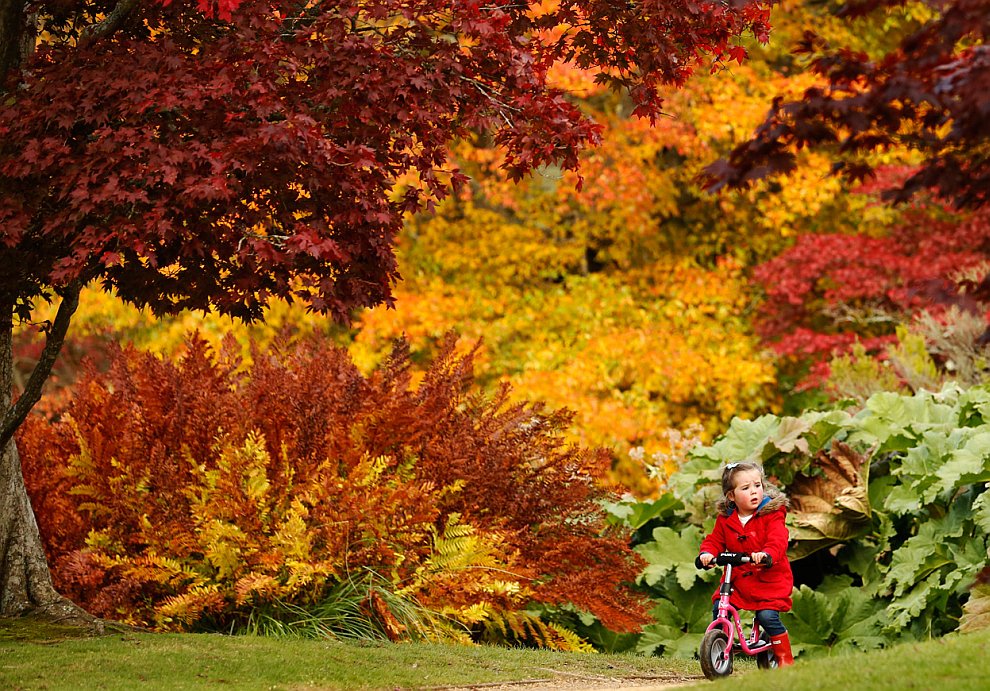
(716, 659)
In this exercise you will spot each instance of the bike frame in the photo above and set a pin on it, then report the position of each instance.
(733, 627)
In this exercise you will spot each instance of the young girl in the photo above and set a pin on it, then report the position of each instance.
(751, 519)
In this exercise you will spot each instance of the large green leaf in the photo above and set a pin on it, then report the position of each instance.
(902, 611)
(974, 406)
(856, 620)
(915, 559)
(745, 439)
(824, 427)
(837, 616)
(969, 555)
(941, 463)
(681, 619)
(636, 514)
(968, 464)
(895, 422)
(671, 552)
(981, 512)
(809, 621)
(885, 421)
(929, 572)
(903, 499)
(701, 468)
(918, 466)
(655, 639)
(685, 647)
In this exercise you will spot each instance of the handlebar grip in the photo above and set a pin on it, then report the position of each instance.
(768, 561)
(699, 565)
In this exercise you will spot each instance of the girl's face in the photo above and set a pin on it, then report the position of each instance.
(748, 492)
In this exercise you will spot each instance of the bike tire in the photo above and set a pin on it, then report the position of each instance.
(711, 654)
(766, 660)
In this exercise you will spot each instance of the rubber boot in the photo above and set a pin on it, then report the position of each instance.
(782, 650)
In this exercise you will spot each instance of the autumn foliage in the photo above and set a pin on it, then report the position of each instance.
(927, 93)
(830, 291)
(184, 495)
(193, 159)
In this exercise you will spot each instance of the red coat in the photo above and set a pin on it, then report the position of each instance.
(753, 586)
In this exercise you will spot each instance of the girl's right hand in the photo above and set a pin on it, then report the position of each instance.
(705, 558)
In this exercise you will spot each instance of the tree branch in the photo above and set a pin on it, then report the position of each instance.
(109, 24)
(15, 415)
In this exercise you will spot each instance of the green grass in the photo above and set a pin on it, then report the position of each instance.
(201, 661)
(958, 662)
(32, 657)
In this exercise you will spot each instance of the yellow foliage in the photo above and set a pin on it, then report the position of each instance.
(460, 548)
(369, 470)
(522, 628)
(632, 356)
(222, 544)
(155, 568)
(190, 606)
(573, 79)
(264, 587)
(291, 536)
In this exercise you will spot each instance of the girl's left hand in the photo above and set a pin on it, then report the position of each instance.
(758, 557)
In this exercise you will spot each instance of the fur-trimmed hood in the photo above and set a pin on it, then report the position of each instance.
(773, 500)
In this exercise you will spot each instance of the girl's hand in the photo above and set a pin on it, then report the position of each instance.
(758, 557)
(705, 558)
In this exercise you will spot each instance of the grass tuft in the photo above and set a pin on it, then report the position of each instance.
(356, 609)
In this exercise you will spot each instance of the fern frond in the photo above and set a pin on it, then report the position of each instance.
(572, 641)
(370, 469)
(155, 568)
(460, 546)
(257, 586)
(293, 536)
(526, 629)
(222, 543)
(182, 611)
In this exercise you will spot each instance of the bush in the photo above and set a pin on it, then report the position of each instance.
(889, 506)
(195, 494)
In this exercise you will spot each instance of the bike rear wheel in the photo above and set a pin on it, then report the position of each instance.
(716, 661)
(766, 660)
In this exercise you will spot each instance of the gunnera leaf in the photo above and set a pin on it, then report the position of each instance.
(832, 505)
(976, 611)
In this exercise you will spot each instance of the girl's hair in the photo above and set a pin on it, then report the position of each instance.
(729, 473)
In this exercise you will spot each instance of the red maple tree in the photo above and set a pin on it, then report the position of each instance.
(217, 155)
(931, 94)
(829, 291)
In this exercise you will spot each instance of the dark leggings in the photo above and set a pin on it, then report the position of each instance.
(769, 620)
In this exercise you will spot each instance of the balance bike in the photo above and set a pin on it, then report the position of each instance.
(724, 635)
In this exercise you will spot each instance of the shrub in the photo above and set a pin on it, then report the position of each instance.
(889, 521)
(194, 494)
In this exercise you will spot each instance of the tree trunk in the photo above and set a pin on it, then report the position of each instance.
(11, 34)
(25, 581)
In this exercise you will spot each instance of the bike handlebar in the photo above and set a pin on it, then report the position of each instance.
(733, 558)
